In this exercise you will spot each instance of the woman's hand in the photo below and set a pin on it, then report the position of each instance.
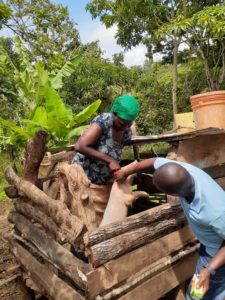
(203, 281)
(113, 166)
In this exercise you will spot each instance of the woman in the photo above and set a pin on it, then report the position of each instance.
(100, 148)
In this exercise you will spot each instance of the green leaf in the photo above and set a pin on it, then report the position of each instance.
(40, 116)
(13, 127)
(85, 114)
(56, 128)
(18, 140)
(77, 131)
(66, 71)
(42, 75)
(55, 107)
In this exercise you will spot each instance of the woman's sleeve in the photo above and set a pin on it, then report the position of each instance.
(103, 121)
(128, 135)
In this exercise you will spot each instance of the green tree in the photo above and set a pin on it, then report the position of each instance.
(95, 78)
(118, 59)
(203, 32)
(154, 93)
(45, 28)
(5, 13)
(139, 20)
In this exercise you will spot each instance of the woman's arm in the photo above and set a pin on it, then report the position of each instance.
(89, 138)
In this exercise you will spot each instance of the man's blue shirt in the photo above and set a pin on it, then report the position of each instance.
(206, 213)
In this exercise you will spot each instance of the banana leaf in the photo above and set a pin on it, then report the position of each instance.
(85, 114)
(66, 71)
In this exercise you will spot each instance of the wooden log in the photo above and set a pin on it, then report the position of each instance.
(49, 282)
(33, 213)
(117, 270)
(34, 153)
(150, 271)
(11, 192)
(162, 283)
(52, 188)
(134, 222)
(70, 225)
(62, 156)
(79, 187)
(60, 149)
(49, 162)
(118, 245)
(58, 255)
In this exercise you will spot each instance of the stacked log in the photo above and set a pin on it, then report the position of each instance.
(124, 257)
(113, 240)
(44, 230)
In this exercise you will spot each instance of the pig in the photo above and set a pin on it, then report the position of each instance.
(121, 196)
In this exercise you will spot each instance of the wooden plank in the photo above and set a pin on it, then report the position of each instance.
(119, 269)
(162, 283)
(216, 171)
(149, 272)
(181, 292)
(170, 137)
(50, 284)
(203, 151)
(166, 137)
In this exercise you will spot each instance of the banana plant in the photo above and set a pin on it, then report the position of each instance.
(39, 90)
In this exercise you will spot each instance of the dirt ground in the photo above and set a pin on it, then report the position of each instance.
(11, 286)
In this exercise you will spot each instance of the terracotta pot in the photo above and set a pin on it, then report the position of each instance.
(209, 109)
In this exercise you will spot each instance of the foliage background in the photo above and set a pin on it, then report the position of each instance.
(50, 39)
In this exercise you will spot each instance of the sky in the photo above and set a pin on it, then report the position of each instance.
(93, 30)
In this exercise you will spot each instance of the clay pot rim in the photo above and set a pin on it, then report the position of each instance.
(208, 94)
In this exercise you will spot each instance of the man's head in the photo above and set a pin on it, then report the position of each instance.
(173, 179)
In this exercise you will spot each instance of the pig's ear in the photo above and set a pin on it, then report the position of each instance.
(139, 194)
(130, 178)
(131, 198)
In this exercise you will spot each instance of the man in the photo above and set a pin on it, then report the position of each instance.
(203, 202)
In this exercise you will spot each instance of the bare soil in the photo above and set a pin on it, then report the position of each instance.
(11, 285)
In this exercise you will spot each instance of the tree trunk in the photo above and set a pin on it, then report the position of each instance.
(176, 43)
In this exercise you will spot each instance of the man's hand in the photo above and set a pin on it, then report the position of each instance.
(120, 175)
(203, 282)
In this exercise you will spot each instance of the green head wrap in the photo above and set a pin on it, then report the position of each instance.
(126, 107)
